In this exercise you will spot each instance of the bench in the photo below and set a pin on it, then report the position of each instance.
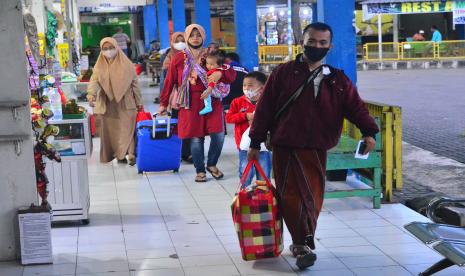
(446, 239)
(342, 158)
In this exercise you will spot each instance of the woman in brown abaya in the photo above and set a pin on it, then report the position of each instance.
(115, 95)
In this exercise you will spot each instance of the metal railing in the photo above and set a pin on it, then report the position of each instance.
(414, 50)
(391, 133)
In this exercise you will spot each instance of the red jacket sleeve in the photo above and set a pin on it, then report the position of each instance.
(234, 116)
(171, 80)
(229, 75)
(263, 118)
(356, 111)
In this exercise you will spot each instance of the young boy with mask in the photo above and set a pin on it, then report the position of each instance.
(241, 114)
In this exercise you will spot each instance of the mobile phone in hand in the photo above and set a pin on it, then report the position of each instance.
(361, 147)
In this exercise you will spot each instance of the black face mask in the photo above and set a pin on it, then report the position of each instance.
(194, 47)
(315, 54)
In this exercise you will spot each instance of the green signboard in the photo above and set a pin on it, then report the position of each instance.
(410, 7)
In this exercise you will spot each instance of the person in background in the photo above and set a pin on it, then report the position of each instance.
(241, 114)
(437, 36)
(419, 36)
(114, 94)
(305, 131)
(122, 39)
(234, 60)
(184, 66)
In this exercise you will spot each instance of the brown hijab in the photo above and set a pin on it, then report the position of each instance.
(199, 53)
(115, 76)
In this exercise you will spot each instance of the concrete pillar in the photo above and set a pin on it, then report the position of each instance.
(339, 15)
(163, 26)
(178, 14)
(150, 24)
(202, 17)
(17, 174)
(245, 21)
(38, 11)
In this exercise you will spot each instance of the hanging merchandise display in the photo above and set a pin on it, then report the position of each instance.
(40, 114)
(51, 32)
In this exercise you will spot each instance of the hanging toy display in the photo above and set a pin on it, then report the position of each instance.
(51, 32)
(40, 114)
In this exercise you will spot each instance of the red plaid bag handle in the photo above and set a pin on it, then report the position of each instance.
(247, 172)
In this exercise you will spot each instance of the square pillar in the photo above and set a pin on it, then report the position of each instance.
(339, 15)
(203, 17)
(245, 22)
(178, 14)
(163, 27)
(150, 24)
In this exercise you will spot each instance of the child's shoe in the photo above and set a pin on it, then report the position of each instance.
(208, 106)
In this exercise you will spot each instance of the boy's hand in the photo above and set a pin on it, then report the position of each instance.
(250, 116)
(253, 154)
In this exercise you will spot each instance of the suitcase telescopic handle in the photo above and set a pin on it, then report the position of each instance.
(168, 127)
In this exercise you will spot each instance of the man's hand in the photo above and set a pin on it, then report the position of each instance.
(250, 116)
(253, 154)
(206, 93)
(215, 77)
(162, 110)
(371, 144)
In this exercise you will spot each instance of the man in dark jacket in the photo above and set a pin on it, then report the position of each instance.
(305, 131)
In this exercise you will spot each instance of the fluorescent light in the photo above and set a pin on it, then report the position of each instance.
(272, 9)
(281, 13)
(306, 12)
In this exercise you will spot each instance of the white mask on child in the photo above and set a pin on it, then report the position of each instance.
(179, 46)
(251, 94)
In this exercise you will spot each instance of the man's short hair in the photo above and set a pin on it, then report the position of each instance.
(319, 26)
(434, 27)
(218, 56)
(259, 76)
(233, 56)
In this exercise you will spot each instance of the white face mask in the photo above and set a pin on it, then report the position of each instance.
(179, 46)
(251, 94)
(109, 53)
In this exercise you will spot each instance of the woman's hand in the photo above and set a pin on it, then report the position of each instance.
(215, 77)
(91, 100)
(162, 110)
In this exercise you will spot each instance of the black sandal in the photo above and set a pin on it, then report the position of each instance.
(217, 174)
(297, 250)
(305, 261)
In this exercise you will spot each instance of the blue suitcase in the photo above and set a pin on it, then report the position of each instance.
(158, 149)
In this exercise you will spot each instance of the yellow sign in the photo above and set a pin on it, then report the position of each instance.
(41, 40)
(63, 54)
(427, 7)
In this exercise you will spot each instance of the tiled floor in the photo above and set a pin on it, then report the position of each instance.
(165, 224)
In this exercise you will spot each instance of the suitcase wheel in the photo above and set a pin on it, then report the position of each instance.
(140, 172)
(176, 171)
(85, 221)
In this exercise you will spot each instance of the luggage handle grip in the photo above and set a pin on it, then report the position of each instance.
(168, 128)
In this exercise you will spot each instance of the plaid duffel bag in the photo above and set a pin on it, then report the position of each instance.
(257, 219)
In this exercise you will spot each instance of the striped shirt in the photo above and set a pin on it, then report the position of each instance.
(122, 40)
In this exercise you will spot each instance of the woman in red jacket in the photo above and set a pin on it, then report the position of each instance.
(187, 71)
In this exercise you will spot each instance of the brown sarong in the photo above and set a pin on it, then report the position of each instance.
(300, 182)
